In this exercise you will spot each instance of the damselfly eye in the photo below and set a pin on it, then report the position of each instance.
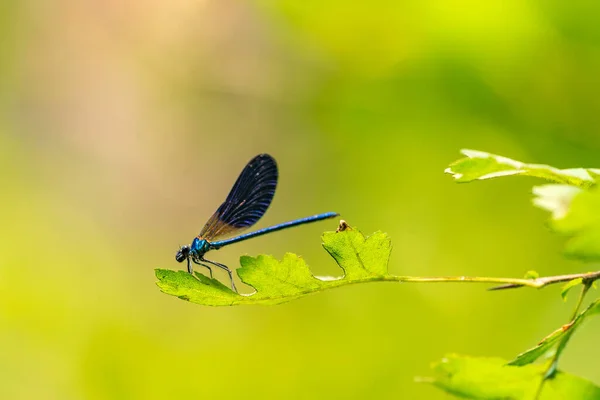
(183, 253)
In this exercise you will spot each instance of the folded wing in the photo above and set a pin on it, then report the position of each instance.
(247, 201)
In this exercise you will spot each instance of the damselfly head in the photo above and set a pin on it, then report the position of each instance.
(183, 253)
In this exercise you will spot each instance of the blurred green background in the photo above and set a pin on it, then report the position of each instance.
(123, 126)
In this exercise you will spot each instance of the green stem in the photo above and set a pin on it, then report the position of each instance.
(507, 282)
(552, 368)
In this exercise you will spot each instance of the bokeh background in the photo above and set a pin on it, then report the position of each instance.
(123, 126)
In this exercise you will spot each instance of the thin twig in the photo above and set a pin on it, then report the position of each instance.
(508, 283)
(552, 368)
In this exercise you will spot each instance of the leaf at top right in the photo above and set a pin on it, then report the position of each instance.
(480, 165)
(576, 214)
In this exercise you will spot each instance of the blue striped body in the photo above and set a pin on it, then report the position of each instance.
(200, 246)
(274, 228)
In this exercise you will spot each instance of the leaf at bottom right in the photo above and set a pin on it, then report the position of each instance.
(492, 378)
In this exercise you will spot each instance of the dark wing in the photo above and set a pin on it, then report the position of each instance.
(247, 201)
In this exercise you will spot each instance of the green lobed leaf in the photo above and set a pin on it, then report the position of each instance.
(362, 259)
(480, 165)
(547, 343)
(576, 214)
(492, 378)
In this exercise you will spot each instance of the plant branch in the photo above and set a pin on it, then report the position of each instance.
(563, 343)
(508, 283)
(552, 368)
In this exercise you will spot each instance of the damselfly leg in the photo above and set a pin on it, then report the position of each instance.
(204, 265)
(226, 268)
